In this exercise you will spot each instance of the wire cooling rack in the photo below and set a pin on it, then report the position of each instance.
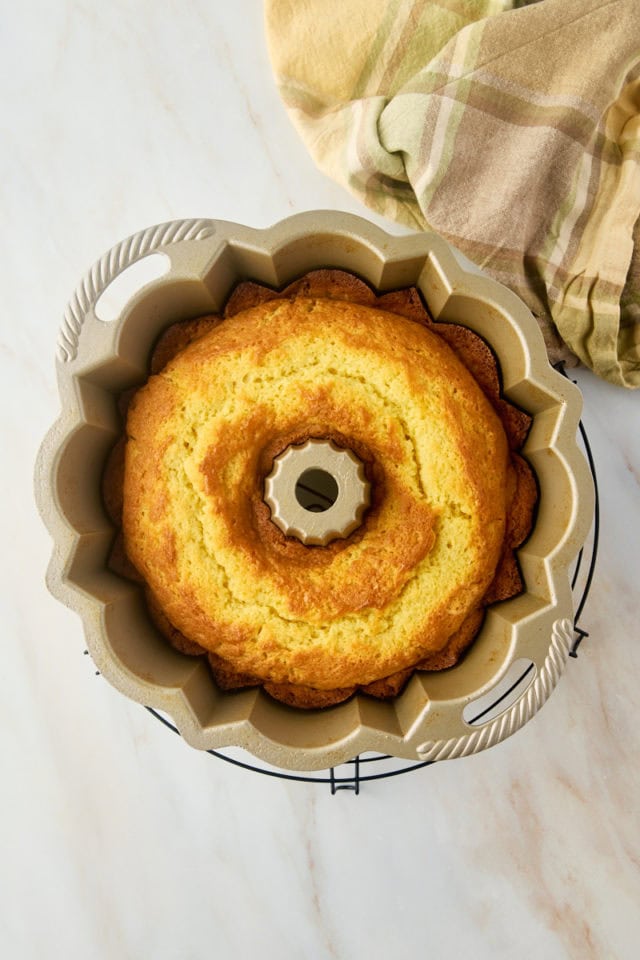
(367, 767)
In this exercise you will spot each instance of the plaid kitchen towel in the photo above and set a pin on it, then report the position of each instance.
(511, 129)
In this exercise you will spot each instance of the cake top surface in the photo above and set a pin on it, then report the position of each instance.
(202, 437)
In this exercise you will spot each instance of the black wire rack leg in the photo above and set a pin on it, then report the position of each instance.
(346, 783)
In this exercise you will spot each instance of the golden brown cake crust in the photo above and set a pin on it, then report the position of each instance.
(197, 529)
(520, 487)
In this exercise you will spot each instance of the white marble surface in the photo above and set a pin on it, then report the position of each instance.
(118, 840)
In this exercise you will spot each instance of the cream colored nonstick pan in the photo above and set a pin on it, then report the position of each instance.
(204, 259)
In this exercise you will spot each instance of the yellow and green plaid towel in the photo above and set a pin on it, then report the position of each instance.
(513, 133)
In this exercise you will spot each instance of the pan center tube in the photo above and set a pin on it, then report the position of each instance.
(317, 492)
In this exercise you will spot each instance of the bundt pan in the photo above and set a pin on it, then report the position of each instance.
(204, 259)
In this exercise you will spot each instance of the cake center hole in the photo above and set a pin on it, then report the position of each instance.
(316, 490)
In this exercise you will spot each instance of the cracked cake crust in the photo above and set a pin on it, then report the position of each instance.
(352, 614)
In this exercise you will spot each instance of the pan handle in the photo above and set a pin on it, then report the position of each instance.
(114, 262)
(504, 725)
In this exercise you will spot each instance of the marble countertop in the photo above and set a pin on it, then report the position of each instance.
(117, 839)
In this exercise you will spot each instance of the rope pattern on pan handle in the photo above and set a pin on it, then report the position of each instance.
(516, 715)
(113, 263)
